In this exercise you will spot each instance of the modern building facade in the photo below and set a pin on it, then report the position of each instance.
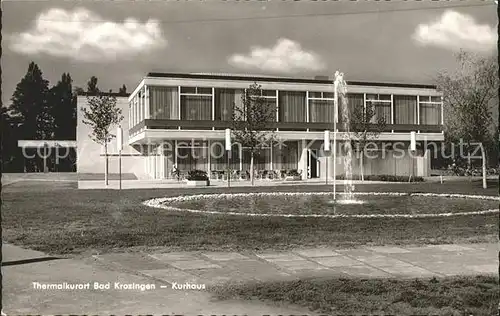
(174, 119)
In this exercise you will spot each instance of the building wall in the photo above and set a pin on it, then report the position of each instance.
(89, 159)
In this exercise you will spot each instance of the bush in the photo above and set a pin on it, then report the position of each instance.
(197, 175)
(384, 177)
(293, 173)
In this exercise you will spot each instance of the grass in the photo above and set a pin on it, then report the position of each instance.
(450, 296)
(58, 219)
(320, 204)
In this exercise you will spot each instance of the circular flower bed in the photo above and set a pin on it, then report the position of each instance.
(319, 204)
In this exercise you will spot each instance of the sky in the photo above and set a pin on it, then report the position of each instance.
(120, 42)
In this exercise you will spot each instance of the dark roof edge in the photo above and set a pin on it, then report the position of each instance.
(111, 94)
(286, 80)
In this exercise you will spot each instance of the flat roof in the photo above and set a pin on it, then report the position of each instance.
(283, 79)
(111, 94)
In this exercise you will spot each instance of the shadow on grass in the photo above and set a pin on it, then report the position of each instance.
(26, 261)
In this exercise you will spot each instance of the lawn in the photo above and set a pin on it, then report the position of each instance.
(59, 219)
(451, 296)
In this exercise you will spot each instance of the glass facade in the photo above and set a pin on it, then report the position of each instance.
(292, 106)
(207, 103)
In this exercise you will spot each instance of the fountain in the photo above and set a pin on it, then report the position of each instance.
(340, 91)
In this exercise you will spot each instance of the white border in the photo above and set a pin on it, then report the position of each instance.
(160, 203)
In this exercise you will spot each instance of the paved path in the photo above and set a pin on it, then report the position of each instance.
(20, 298)
(214, 268)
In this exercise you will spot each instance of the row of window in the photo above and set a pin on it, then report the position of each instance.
(198, 103)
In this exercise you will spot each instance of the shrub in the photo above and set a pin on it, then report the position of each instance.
(197, 175)
(384, 177)
(293, 173)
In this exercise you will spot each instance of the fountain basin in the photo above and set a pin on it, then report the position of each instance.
(318, 204)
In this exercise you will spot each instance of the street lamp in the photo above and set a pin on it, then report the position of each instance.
(228, 151)
(327, 149)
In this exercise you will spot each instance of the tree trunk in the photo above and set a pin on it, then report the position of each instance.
(362, 166)
(106, 163)
(251, 167)
(483, 154)
(469, 162)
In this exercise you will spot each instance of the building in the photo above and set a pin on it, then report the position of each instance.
(179, 119)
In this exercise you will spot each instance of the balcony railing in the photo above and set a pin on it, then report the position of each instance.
(283, 126)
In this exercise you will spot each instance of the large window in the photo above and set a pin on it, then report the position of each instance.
(225, 100)
(286, 156)
(405, 109)
(430, 110)
(196, 103)
(164, 103)
(192, 155)
(292, 106)
(270, 98)
(382, 106)
(355, 106)
(321, 107)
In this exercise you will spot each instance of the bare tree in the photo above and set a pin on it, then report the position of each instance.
(251, 123)
(101, 115)
(468, 94)
(365, 126)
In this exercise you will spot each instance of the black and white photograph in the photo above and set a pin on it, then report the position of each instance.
(260, 157)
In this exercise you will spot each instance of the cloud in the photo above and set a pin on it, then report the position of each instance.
(83, 35)
(456, 31)
(286, 56)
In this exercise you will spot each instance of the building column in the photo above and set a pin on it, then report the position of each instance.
(303, 152)
(147, 109)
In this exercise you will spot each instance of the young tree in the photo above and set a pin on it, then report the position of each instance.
(101, 114)
(468, 94)
(251, 123)
(364, 126)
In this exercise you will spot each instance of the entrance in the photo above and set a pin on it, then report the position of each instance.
(313, 164)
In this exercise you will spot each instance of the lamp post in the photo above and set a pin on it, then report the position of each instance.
(119, 145)
(327, 149)
(335, 118)
(228, 151)
(413, 148)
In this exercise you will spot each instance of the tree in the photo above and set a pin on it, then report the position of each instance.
(92, 85)
(30, 109)
(11, 154)
(365, 125)
(123, 91)
(101, 114)
(468, 94)
(63, 108)
(251, 123)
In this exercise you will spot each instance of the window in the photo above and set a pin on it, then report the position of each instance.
(321, 95)
(292, 106)
(405, 109)
(196, 103)
(382, 106)
(430, 110)
(356, 107)
(225, 99)
(164, 102)
(321, 107)
(321, 111)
